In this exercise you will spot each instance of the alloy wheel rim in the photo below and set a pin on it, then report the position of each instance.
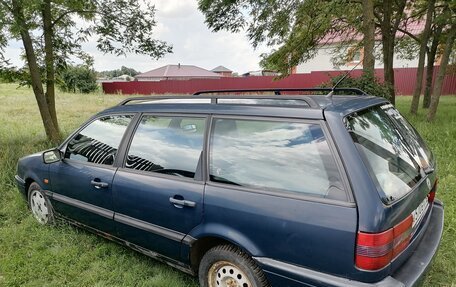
(39, 206)
(226, 274)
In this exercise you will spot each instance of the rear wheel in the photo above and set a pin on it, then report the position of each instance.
(39, 204)
(228, 266)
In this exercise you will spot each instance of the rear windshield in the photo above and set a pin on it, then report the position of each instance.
(396, 156)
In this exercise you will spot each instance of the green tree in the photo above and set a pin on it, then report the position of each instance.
(431, 56)
(366, 82)
(423, 42)
(119, 72)
(438, 17)
(369, 36)
(437, 91)
(295, 29)
(52, 31)
(79, 78)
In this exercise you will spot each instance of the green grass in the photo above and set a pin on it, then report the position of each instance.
(62, 255)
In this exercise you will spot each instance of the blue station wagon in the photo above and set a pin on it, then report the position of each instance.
(294, 189)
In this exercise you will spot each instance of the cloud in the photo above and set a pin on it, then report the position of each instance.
(176, 9)
(181, 24)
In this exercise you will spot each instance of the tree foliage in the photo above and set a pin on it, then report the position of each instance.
(295, 30)
(118, 72)
(53, 31)
(366, 82)
(438, 16)
(79, 78)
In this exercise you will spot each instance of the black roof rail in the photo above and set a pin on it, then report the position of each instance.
(213, 98)
(127, 100)
(278, 91)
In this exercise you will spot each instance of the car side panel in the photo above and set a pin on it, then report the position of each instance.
(145, 216)
(75, 197)
(317, 235)
(32, 168)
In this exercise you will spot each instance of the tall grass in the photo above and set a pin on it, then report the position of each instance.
(35, 255)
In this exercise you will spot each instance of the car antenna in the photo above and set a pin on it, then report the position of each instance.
(331, 93)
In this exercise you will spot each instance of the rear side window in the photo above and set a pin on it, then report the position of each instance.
(395, 154)
(167, 145)
(287, 157)
(98, 142)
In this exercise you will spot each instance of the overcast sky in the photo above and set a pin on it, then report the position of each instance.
(180, 23)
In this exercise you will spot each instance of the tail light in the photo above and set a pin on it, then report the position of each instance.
(376, 250)
(431, 195)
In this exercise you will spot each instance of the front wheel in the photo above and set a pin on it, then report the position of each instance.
(228, 266)
(39, 204)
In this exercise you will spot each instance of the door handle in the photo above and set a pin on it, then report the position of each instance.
(98, 184)
(179, 203)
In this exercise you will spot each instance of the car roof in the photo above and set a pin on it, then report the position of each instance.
(293, 106)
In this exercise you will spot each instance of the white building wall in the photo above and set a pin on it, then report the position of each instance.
(322, 62)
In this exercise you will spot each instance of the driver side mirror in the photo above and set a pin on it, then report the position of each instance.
(51, 156)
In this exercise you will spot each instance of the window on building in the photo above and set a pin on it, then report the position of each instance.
(355, 55)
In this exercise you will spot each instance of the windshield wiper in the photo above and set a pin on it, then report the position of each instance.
(428, 170)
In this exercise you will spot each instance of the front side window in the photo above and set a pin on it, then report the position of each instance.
(288, 157)
(395, 154)
(98, 142)
(167, 145)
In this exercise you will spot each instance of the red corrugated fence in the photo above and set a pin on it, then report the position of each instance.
(404, 77)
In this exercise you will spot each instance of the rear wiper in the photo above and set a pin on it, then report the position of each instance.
(428, 170)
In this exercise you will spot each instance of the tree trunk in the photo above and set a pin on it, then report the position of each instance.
(388, 70)
(430, 67)
(389, 30)
(441, 74)
(49, 60)
(388, 48)
(51, 130)
(422, 57)
(369, 37)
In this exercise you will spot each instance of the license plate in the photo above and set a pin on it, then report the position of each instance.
(419, 212)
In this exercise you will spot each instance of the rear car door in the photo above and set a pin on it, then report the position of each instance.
(158, 192)
(277, 189)
(81, 182)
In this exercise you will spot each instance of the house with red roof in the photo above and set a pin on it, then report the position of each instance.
(177, 72)
(223, 71)
(341, 51)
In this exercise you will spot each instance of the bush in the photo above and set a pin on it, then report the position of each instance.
(367, 83)
(80, 79)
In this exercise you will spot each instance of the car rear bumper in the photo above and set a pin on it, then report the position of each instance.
(413, 270)
(409, 274)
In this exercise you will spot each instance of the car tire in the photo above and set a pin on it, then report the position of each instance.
(226, 266)
(39, 204)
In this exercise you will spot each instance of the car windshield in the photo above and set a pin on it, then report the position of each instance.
(396, 156)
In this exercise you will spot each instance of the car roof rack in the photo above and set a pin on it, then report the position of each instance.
(277, 91)
(214, 99)
(221, 99)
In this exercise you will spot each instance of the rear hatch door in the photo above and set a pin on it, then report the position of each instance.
(403, 169)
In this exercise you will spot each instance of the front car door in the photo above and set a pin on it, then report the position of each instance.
(81, 182)
(158, 192)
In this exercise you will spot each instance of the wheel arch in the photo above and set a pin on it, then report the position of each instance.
(28, 182)
(212, 235)
(29, 179)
